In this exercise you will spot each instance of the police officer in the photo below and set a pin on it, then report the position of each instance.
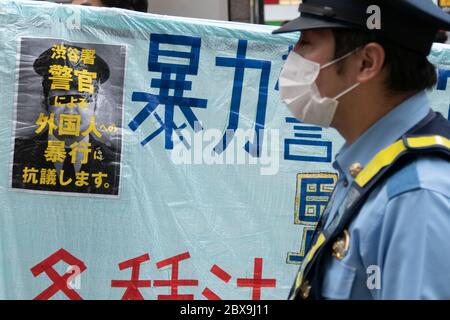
(360, 66)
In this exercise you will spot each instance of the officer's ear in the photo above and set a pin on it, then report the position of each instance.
(371, 62)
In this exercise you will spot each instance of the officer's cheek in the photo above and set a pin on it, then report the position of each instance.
(328, 82)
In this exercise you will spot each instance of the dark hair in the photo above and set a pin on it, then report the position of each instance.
(441, 37)
(136, 5)
(407, 70)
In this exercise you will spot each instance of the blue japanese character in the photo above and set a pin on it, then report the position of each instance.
(284, 57)
(443, 77)
(240, 64)
(305, 139)
(314, 191)
(166, 83)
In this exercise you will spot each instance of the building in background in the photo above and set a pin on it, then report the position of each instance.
(276, 12)
(247, 11)
(444, 4)
(207, 9)
(272, 12)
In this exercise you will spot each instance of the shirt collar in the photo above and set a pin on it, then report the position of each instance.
(383, 133)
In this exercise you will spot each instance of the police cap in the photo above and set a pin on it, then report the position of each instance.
(412, 24)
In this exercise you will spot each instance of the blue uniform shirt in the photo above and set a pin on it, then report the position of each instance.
(400, 240)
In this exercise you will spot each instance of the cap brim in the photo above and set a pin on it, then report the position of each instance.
(309, 22)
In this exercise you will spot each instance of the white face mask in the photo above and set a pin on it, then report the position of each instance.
(299, 91)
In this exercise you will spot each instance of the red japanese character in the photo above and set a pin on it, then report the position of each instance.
(257, 282)
(222, 275)
(174, 282)
(60, 283)
(132, 292)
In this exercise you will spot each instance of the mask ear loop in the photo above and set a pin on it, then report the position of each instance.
(338, 59)
(346, 91)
